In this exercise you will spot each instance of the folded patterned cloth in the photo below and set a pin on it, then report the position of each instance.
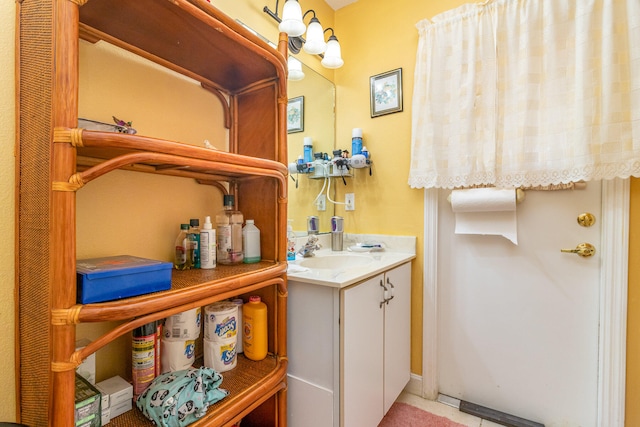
(177, 399)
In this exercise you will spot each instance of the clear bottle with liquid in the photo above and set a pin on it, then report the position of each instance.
(229, 233)
(194, 242)
(181, 257)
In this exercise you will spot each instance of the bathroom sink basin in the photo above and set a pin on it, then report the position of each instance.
(335, 262)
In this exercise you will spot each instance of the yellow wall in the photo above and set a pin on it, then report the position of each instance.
(113, 211)
(7, 204)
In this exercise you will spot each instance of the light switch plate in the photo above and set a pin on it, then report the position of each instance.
(350, 202)
(321, 203)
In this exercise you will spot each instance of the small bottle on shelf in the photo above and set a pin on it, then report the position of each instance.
(356, 141)
(194, 242)
(254, 337)
(308, 152)
(207, 245)
(251, 242)
(180, 260)
(229, 233)
(291, 242)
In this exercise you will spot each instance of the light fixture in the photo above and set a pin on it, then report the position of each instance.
(315, 44)
(295, 69)
(333, 55)
(291, 19)
(292, 23)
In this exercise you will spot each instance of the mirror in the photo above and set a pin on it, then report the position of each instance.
(318, 123)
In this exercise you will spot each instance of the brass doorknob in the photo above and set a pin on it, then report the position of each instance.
(583, 249)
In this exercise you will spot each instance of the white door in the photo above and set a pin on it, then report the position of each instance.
(518, 325)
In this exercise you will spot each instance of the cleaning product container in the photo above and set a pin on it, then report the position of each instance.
(251, 242)
(254, 331)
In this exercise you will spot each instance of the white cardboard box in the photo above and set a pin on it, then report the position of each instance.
(88, 366)
(119, 391)
(105, 397)
(106, 416)
(120, 408)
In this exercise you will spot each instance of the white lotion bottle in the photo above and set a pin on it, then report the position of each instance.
(207, 245)
(251, 242)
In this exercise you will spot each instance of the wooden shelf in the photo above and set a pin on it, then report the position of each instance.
(246, 382)
(102, 152)
(178, 35)
(55, 160)
(187, 287)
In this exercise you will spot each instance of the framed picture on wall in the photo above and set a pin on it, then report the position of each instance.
(295, 115)
(386, 93)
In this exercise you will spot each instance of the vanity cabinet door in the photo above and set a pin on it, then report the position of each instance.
(362, 327)
(397, 334)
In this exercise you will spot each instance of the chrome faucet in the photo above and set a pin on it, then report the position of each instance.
(311, 245)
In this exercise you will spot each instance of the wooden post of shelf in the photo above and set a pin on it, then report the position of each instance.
(282, 225)
(282, 148)
(62, 232)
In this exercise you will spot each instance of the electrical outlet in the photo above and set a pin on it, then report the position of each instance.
(350, 202)
(321, 203)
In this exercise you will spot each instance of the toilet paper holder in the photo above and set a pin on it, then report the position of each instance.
(519, 196)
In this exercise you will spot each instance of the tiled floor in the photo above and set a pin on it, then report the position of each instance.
(443, 410)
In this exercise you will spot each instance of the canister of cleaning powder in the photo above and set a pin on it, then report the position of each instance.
(254, 319)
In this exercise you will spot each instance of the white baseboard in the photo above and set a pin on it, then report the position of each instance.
(414, 386)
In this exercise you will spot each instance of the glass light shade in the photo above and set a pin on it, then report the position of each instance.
(292, 19)
(315, 38)
(332, 56)
(295, 69)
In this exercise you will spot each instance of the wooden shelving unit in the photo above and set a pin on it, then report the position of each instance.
(55, 160)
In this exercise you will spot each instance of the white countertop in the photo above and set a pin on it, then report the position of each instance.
(397, 250)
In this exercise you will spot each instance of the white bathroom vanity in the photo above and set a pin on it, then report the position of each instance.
(349, 316)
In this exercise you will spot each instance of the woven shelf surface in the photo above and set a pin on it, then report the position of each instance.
(241, 378)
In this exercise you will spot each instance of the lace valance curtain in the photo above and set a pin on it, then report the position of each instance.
(526, 93)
